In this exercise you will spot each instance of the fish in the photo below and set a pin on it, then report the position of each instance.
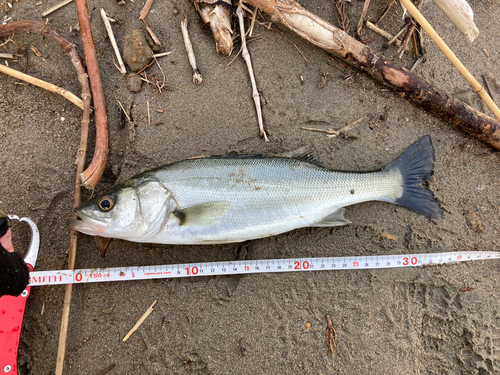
(235, 198)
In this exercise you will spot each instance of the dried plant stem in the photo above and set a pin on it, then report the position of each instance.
(451, 56)
(384, 33)
(90, 177)
(349, 50)
(111, 36)
(140, 321)
(219, 15)
(246, 56)
(56, 7)
(197, 78)
(42, 84)
(6, 56)
(389, 5)
(409, 32)
(359, 30)
(145, 10)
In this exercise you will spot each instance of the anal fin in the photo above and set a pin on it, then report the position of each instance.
(335, 219)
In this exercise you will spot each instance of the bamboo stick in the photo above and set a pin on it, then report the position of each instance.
(335, 41)
(42, 84)
(451, 56)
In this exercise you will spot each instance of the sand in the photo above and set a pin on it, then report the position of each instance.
(431, 320)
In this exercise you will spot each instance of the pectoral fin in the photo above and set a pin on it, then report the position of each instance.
(334, 219)
(202, 214)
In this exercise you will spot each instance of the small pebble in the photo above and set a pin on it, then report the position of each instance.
(175, 11)
(134, 83)
(308, 325)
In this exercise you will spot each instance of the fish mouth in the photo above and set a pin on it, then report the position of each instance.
(91, 226)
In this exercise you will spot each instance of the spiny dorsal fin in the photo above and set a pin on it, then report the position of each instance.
(306, 153)
(202, 214)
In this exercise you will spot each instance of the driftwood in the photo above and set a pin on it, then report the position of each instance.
(218, 15)
(333, 40)
(460, 14)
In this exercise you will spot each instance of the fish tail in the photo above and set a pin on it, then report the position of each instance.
(415, 166)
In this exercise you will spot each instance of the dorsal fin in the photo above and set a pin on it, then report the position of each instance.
(306, 153)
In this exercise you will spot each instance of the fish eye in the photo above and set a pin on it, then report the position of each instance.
(106, 203)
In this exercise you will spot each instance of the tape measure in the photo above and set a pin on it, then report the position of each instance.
(242, 267)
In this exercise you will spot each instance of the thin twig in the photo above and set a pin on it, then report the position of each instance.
(389, 5)
(145, 9)
(42, 84)
(409, 32)
(125, 112)
(162, 54)
(382, 32)
(149, 114)
(362, 18)
(254, 16)
(111, 36)
(140, 321)
(301, 54)
(197, 78)
(56, 7)
(246, 56)
(153, 36)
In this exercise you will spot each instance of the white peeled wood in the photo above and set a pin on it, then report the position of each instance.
(461, 15)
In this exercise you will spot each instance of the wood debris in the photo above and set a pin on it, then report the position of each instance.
(248, 60)
(140, 321)
(56, 7)
(42, 84)
(111, 36)
(389, 236)
(331, 336)
(197, 78)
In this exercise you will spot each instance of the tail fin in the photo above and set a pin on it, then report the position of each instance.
(415, 165)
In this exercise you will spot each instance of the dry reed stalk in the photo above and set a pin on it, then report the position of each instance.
(248, 60)
(328, 37)
(42, 84)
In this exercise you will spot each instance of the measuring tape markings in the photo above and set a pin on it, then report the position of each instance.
(39, 278)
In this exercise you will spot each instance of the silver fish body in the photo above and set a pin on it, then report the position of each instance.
(230, 199)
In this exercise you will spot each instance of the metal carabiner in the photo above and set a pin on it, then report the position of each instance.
(32, 254)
